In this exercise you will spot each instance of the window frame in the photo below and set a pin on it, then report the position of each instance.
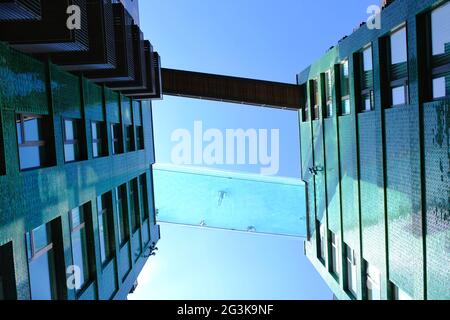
(328, 93)
(44, 159)
(365, 77)
(344, 97)
(118, 140)
(76, 142)
(107, 212)
(90, 258)
(438, 64)
(102, 141)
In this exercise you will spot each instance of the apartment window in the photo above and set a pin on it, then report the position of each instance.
(116, 136)
(7, 277)
(399, 294)
(373, 280)
(334, 266)
(134, 205)
(329, 93)
(321, 241)
(140, 138)
(33, 141)
(352, 271)
(440, 40)
(72, 135)
(315, 98)
(120, 194)
(345, 88)
(80, 235)
(398, 70)
(99, 142)
(105, 226)
(366, 80)
(129, 138)
(304, 103)
(144, 196)
(42, 263)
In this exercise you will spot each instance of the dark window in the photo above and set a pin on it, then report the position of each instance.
(140, 138)
(116, 136)
(134, 205)
(440, 51)
(144, 196)
(365, 76)
(7, 276)
(99, 142)
(320, 241)
(33, 141)
(352, 271)
(373, 282)
(105, 226)
(129, 138)
(315, 98)
(120, 194)
(329, 93)
(81, 239)
(72, 135)
(344, 88)
(304, 103)
(335, 254)
(44, 257)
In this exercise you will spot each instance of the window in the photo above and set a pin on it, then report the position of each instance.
(399, 294)
(440, 43)
(33, 141)
(120, 194)
(2, 155)
(373, 279)
(134, 205)
(334, 266)
(116, 136)
(365, 84)
(144, 196)
(99, 143)
(320, 241)
(7, 277)
(140, 138)
(72, 135)
(345, 88)
(42, 263)
(129, 138)
(80, 236)
(304, 103)
(329, 93)
(315, 98)
(351, 264)
(105, 226)
(398, 67)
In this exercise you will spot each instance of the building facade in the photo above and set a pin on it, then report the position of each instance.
(375, 147)
(77, 218)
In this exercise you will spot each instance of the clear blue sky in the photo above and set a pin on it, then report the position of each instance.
(270, 40)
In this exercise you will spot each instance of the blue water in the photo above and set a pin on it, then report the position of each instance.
(220, 199)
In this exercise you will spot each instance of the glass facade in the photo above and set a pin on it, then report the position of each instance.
(120, 194)
(345, 88)
(335, 254)
(116, 136)
(99, 143)
(352, 271)
(72, 140)
(373, 282)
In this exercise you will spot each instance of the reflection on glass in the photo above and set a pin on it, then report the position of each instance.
(373, 279)
(79, 244)
(441, 87)
(398, 96)
(345, 106)
(399, 51)
(367, 59)
(399, 294)
(440, 29)
(351, 270)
